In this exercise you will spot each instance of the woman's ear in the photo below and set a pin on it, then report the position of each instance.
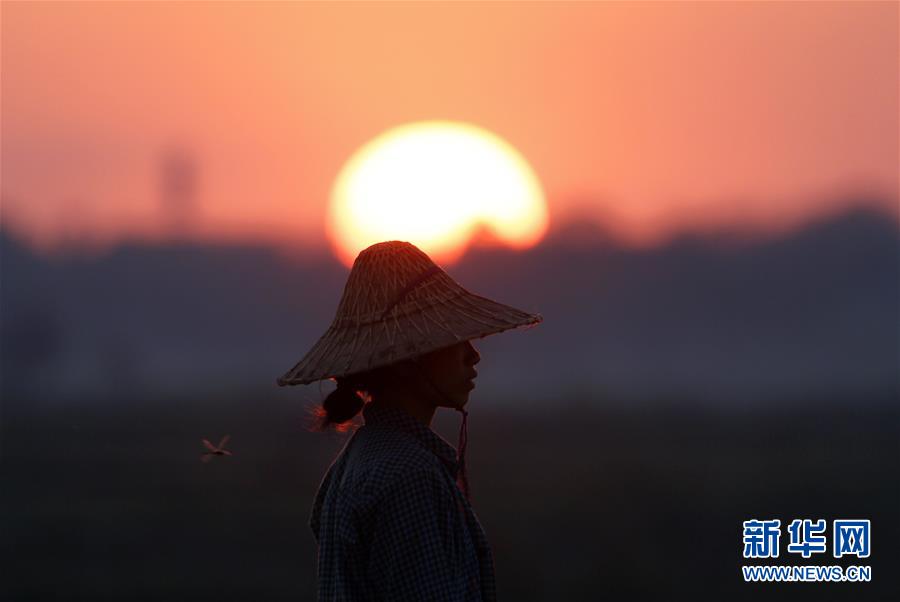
(410, 368)
(416, 373)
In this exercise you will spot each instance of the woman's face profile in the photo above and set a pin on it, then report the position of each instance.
(452, 369)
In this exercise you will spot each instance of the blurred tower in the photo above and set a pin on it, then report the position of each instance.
(178, 192)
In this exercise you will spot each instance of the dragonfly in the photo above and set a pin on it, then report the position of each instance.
(214, 450)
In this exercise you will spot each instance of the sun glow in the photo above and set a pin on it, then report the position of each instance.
(435, 184)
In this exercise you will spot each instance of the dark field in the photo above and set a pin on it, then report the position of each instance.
(109, 500)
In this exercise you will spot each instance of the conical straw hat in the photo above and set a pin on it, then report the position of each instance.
(397, 304)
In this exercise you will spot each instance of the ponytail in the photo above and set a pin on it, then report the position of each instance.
(341, 406)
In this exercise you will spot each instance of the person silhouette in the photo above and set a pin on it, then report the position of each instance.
(392, 517)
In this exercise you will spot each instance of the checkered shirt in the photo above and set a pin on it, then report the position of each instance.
(391, 523)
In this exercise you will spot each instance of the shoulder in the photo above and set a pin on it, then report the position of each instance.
(384, 459)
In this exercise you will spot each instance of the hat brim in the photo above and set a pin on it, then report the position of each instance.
(345, 350)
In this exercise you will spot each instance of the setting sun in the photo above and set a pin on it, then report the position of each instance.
(435, 184)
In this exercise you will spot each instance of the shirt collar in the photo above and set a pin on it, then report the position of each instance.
(398, 419)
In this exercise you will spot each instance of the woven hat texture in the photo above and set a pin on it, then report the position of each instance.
(398, 304)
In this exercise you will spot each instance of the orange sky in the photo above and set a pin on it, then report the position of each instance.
(655, 115)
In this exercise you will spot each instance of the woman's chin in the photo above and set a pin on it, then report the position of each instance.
(457, 402)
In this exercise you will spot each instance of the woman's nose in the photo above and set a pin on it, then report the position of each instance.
(474, 356)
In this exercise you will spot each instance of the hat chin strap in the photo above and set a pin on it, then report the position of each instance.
(463, 478)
